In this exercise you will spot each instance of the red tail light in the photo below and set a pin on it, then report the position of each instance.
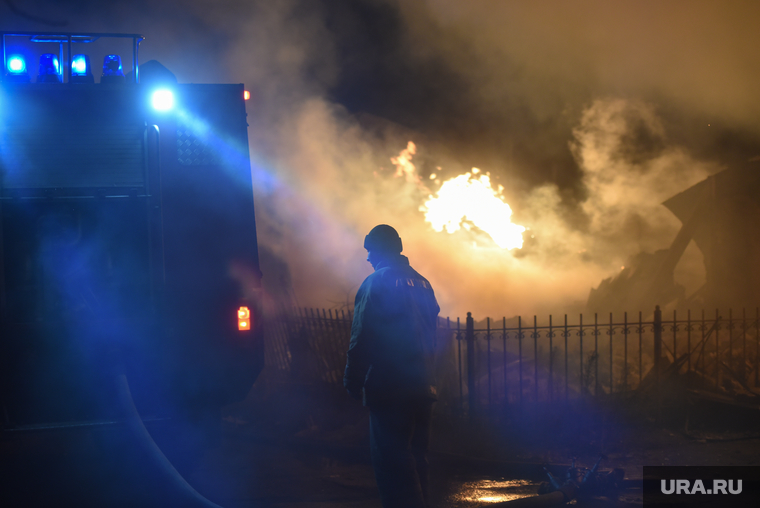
(244, 318)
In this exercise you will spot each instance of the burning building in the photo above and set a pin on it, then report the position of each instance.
(722, 215)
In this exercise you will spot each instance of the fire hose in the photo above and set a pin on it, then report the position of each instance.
(173, 489)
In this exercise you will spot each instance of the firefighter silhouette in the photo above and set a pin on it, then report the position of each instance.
(390, 367)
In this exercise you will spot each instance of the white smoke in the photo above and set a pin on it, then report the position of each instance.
(333, 189)
(583, 84)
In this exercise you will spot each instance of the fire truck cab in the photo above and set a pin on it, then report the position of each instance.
(127, 236)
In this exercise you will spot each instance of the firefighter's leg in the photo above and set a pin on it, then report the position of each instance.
(420, 444)
(391, 432)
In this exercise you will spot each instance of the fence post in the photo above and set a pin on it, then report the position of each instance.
(488, 340)
(459, 357)
(471, 374)
(657, 353)
(657, 343)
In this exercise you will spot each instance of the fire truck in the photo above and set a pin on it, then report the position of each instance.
(128, 242)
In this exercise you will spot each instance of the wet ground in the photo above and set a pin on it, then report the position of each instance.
(308, 446)
(245, 470)
(262, 473)
(273, 475)
(301, 446)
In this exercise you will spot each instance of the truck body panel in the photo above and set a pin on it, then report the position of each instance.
(123, 234)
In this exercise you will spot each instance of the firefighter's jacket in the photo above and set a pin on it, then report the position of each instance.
(393, 336)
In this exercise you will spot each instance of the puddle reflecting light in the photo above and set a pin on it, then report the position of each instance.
(495, 491)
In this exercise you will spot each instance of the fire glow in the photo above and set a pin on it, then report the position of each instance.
(464, 201)
(470, 199)
(404, 166)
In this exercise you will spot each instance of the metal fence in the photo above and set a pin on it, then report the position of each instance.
(553, 361)
(520, 361)
(308, 345)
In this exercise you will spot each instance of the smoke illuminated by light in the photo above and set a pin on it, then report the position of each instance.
(569, 152)
(629, 98)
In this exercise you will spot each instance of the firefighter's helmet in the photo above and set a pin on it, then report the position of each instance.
(384, 239)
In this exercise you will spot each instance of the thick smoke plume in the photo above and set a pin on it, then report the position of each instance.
(589, 113)
(342, 191)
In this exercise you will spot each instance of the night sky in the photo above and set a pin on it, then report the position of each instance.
(589, 113)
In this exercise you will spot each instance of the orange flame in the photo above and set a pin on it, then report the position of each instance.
(472, 199)
(404, 166)
(463, 201)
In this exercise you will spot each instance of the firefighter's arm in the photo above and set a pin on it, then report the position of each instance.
(357, 357)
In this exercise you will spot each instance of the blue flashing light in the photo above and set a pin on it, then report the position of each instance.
(162, 100)
(112, 66)
(49, 64)
(49, 69)
(80, 65)
(16, 64)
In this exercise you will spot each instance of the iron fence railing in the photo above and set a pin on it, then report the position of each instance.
(548, 361)
(517, 361)
(307, 345)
